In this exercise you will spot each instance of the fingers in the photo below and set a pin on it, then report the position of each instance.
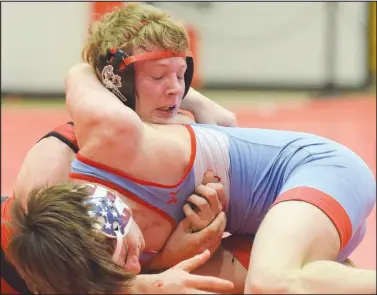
(203, 203)
(232, 120)
(209, 177)
(185, 224)
(211, 192)
(216, 228)
(196, 222)
(212, 284)
(219, 193)
(194, 262)
(210, 237)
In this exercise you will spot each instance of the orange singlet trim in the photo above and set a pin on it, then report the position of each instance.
(5, 219)
(327, 204)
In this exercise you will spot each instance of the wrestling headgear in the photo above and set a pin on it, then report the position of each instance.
(112, 214)
(118, 73)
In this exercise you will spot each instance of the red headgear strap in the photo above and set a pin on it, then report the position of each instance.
(152, 55)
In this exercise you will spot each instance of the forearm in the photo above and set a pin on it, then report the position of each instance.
(96, 111)
(47, 162)
(87, 98)
(142, 285)
(157, 264)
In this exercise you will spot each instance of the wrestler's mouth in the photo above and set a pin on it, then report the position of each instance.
(168, 109)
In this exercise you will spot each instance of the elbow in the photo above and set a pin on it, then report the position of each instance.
(110, 130)
(116, 124)
(96, 112)
(77, 85)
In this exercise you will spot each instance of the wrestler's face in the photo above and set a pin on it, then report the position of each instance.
(160, 87)
(114, 219)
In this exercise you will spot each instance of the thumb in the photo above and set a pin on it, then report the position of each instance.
(209, 177)
(185, 225)
(216, 227)
(210, 236)
(193, 262)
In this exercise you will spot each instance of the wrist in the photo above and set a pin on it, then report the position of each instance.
(139, 285)
(155, 264)
(193, 101)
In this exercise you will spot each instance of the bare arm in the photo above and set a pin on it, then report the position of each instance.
(207, 111)
(47, 162)
(192, 100)
(178, 280)
(106, 129)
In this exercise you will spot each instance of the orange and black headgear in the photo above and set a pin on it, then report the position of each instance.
(118, 73)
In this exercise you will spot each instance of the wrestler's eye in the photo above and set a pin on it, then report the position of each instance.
(157, 78)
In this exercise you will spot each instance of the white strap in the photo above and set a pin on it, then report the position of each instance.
(118, 247)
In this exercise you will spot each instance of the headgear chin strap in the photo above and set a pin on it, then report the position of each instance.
(118, 73)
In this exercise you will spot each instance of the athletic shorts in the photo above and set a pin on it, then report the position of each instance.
(339, 183)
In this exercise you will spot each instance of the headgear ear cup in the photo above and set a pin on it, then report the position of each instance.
(126, 89)
(189, 74)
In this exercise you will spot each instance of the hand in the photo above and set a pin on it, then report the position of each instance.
(203, 206)
(183, 243)
(209, 219)
(210, 180)
(207, 111)
(178, 280)
(214, 114)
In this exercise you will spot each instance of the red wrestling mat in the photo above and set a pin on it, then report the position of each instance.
(351, 122)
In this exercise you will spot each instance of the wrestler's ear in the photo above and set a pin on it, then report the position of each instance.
(209, 177)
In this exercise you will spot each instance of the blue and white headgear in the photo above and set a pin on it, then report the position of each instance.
(113, 215)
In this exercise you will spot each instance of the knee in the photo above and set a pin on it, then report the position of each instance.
(270, 282)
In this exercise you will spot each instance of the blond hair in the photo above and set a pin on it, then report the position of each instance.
(55, 249)
(134, 25)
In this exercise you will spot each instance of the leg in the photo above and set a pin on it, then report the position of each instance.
(295, 259)
(300, 240)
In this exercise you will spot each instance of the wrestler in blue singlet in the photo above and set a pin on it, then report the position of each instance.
(257, 167)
